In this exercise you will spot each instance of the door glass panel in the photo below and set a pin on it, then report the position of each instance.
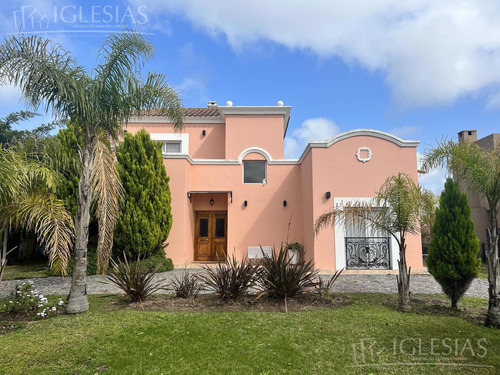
(220, 227)
(203, 231)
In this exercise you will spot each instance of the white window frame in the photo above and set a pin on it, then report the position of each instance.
(263, 182)
(340, 234)
(173, 137)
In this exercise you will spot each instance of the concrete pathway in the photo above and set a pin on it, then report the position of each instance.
(347, 283)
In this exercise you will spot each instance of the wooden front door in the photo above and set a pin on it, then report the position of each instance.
(210, 236)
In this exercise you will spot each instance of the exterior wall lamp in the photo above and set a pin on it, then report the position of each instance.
(212, 200)
(204, 133)
(328, 195)
(245, 203)
(284, 203)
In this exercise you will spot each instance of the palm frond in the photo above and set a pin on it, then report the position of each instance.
(122, 56)
(19, 173)
(476, 168)
(49, 219)
(107, 192)
(395, 209)
(154, 94)
(45, 73)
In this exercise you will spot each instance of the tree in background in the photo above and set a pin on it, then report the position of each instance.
(145, 220)
(427, 217)
(478, 170)
(454, 246)
(28, 200)
(99, 102)
(8, 136)
(68, 142)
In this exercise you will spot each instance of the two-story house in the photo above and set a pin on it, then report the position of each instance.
(234, 192)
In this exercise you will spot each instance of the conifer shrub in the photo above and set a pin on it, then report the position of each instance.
(453, 252)
(145, 220)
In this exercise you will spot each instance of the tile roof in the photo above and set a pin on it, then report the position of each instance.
(193, 112)
(201, 112)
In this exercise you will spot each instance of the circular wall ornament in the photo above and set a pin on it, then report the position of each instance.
(368, 154)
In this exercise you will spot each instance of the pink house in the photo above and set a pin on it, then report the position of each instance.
(233, 191)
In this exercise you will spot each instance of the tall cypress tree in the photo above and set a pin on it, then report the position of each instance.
(146, 219)
(454, 246)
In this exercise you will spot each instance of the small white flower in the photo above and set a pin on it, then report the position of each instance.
(54, 308)
(60, 303)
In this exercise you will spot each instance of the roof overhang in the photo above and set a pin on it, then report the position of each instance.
(186, 120)
(258, 110)
(229, 192)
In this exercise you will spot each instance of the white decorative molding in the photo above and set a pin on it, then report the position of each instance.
(254, 150)
(183, 137)
(355, 133)
(312, 144)
(237, 161)
(368, 157)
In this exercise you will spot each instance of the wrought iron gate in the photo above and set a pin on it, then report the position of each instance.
(367, 253)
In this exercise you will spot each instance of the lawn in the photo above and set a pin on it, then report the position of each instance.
(27, 270)
(115, 339)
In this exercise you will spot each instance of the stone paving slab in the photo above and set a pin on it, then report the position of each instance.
(347, 283)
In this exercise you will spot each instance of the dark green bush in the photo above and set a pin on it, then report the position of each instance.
(152, 261)
(281, 279)
(145, 219)
(186, 286)
(231, 279)
(453, 252)
(91, 264)
(134, 279)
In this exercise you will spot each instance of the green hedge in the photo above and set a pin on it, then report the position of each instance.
(149, 262)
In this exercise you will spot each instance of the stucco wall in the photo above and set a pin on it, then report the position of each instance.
(265, 220)
(210, 146)
(337, 169)
(246, 131)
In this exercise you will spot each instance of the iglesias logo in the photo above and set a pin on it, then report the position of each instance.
(417, 351)
(71, 18)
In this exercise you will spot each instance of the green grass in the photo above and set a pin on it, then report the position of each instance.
(26, 270)
(114, 339)
(483, 272)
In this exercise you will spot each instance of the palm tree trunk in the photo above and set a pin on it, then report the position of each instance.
(3, 258)
(77, 299)
(493, 315)
(403, 278)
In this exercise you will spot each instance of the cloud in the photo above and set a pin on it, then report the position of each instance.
(313, 129)
(405, 131)
(434, 179)
(430, 52)
(192, 91)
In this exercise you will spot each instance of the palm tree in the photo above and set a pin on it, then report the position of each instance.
(396, 210)
(478, 170)
(28, 200)
(99, 103)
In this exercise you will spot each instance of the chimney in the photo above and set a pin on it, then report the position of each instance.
(212, 105)
(467, 136)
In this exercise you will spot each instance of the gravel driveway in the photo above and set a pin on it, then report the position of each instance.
(347, 283)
